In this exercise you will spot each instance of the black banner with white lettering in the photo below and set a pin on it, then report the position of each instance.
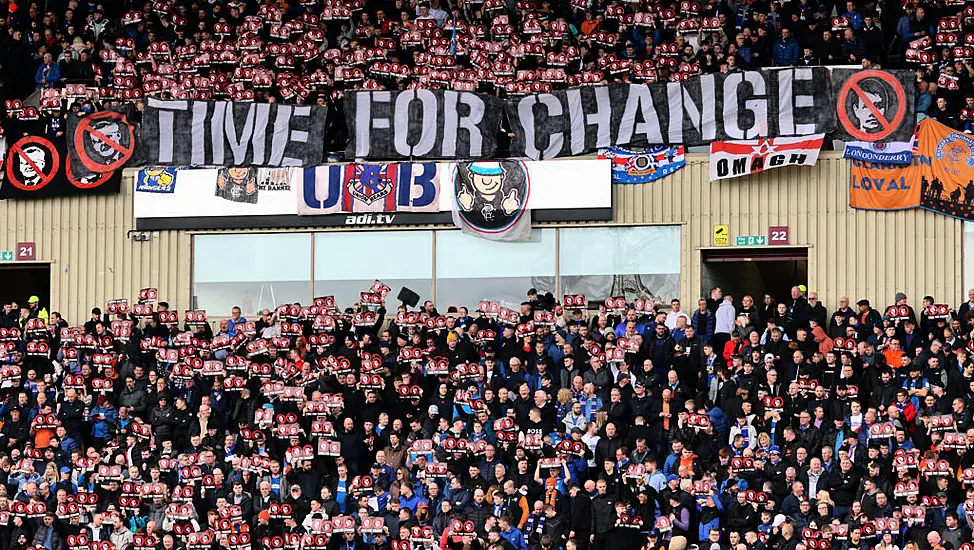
(418, 124)
(706, 108)
(223, 133)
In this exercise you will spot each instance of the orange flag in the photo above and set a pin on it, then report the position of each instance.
(941, 177)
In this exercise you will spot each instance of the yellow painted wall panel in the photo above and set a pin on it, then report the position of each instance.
(92, 258)
(856, 253)
(862, 254)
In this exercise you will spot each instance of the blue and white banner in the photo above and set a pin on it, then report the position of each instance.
(895, 152)
(631, 166)
(156, 180)
(344, 188)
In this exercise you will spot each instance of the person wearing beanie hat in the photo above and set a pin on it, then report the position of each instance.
(163, 418)
(899, 300)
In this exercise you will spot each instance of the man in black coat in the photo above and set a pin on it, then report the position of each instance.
(603, 515)
(71, 413)
(15, 431)
(868, 318)
(15, 74)
(307, 477)
(608, 445)
(843, 486)
(243, 499)
(556, 526)
(162, 419)
(579, 515)
(300, 505)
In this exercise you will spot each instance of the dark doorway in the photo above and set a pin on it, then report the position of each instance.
(19, 282)
(741, 271)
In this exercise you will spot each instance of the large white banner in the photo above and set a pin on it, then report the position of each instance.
(217, 192)
(424, 188)
(553, 184)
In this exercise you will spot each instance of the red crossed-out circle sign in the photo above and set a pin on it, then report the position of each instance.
(854, 85)
(89, 127)
(19, 152)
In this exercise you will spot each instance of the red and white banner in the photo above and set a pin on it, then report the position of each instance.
(731, 159)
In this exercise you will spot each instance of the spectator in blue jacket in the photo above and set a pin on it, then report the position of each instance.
(103, 418)
(512, 534)
(236, 318)
(903, 25)
(786, 50)
(24, 478)
(855, 18)
(703, 322)
(745, 53)
(48, 74)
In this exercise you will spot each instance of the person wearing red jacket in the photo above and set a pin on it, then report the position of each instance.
(732, 347)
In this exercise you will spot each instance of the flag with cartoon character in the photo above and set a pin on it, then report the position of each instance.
(237, 184)
(491, 199)
(156, 180)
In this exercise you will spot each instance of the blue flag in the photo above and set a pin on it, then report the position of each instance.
(629, 166)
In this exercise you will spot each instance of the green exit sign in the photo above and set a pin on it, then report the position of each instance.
(6, 255)
(751, 240)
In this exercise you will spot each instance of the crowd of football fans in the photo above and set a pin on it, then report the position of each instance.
(314, 50)
(736, 425)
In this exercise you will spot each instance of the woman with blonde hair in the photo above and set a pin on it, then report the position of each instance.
(749, 310)
(601, 419)
(743, 326)
(50, 474)
(563, 403)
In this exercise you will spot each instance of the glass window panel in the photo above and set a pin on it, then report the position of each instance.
(253, 271)
(347, 263)
(635, 262)
(470, 269)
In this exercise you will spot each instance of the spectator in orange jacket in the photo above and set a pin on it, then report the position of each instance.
(825, 343)
(893, 353)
